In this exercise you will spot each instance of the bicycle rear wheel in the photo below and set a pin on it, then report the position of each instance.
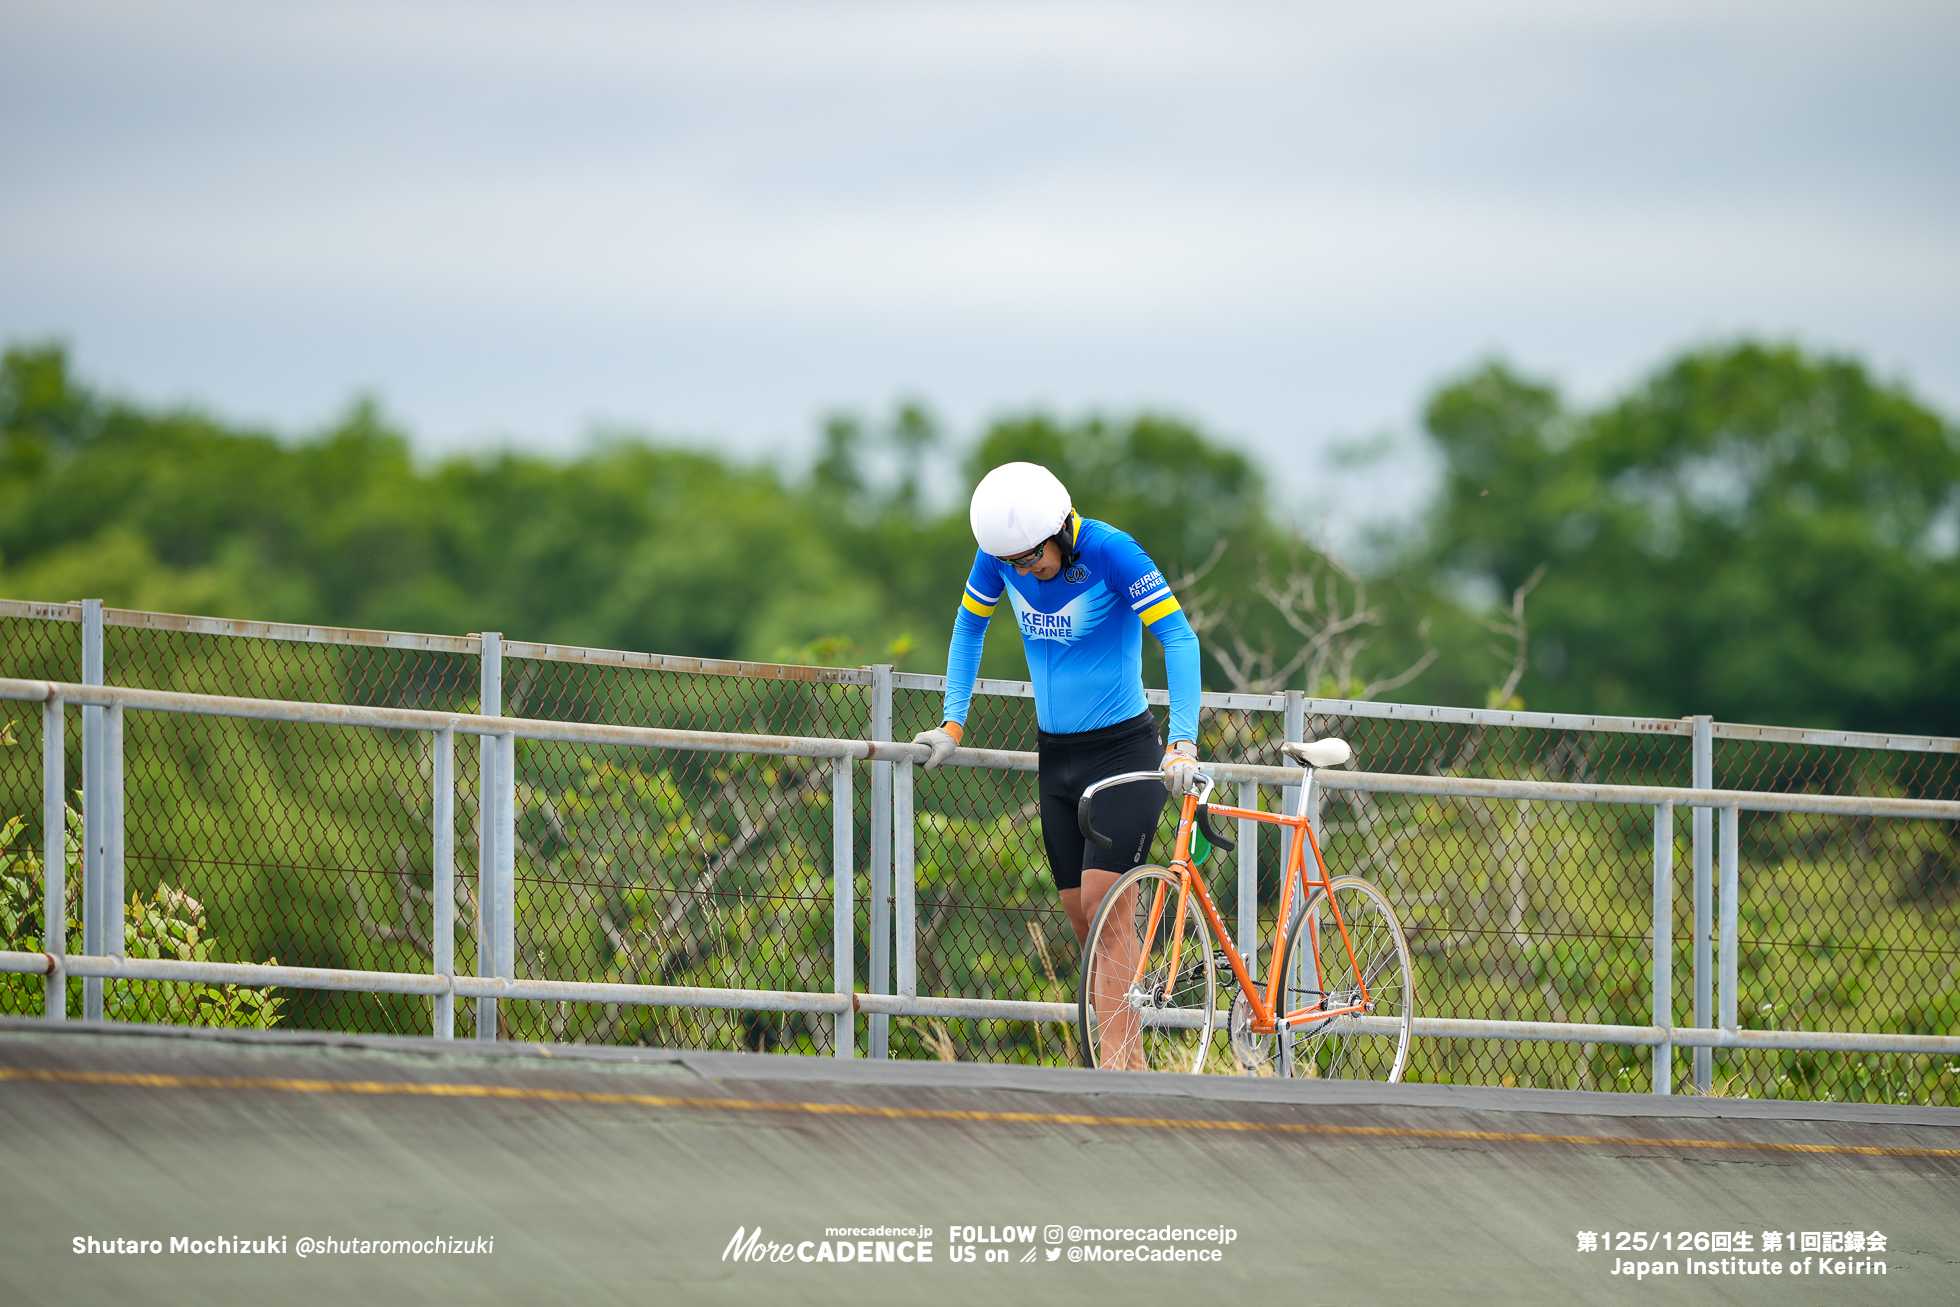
(1147, 989)
(1369, 1045)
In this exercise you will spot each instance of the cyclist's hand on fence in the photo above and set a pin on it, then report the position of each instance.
(941, 741)
(1180, 767)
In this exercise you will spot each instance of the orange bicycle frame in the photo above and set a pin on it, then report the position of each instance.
(1264, 1006)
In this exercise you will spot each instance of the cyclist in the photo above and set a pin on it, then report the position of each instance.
(1083, 593)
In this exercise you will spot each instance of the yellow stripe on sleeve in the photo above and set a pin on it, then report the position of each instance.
(977, 608)
(1157, 612)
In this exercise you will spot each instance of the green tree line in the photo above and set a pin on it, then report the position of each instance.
(1752, 532)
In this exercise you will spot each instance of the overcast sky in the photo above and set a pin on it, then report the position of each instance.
(515, 221)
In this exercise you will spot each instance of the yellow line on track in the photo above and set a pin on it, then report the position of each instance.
(518, 1093)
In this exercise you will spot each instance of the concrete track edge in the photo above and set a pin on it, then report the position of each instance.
(1040, 1080)
(610, 1175)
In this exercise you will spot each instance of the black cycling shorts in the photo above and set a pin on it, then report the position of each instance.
(1128, 814)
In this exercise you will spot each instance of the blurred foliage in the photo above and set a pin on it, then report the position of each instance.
(629, 546)
(1752, 532)
(632, 544)
(170, 924)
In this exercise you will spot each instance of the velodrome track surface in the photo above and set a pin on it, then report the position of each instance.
(619, 1176)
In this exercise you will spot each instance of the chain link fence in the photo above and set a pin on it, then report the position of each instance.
(310, 845)
(1845, 923)
(678, 868)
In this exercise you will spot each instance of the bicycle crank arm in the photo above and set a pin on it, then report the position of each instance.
(1196, 971)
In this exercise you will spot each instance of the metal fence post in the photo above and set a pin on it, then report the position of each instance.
(1249, 879)
(843, 966)
(1704, 853)
(94, 808)
(113, 835)
(1664, 943)
(442, 929)
(506, 948)
(904, 878)
(54, 858)
(1295, 729)
(1730, 839)
(490, 703)
(881, 859)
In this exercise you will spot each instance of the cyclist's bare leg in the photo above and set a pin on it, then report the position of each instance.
(1095, 884)
(1120, 1034)
(1078, 916)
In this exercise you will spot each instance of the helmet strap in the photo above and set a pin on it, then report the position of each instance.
(1068, 537)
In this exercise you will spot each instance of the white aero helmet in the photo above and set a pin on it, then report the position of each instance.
(1016, 507)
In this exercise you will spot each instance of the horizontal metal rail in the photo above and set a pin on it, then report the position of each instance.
(415, 719)
(755, 1000)
(1834, 739)
(1355, 708)
(225, 626)
(996, 759)
(967, 1009)
(1471, 787)
(472, 646)
(1556, 1032)
(260, 976)
(646, 662)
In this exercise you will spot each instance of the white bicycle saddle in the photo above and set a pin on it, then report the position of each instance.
(1330, 752)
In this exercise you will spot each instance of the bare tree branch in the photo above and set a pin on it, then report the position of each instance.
(1325, 603)
(1189, 581)
(1515, 629)
(410, 928)
(679, 955)
(1402, 678)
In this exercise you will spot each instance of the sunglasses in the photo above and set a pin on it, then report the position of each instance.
(1029, 559)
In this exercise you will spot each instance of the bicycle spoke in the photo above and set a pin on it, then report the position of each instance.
(1139, 1009)
(1338, 1046)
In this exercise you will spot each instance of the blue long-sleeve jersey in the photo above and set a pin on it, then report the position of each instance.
(1083, 632)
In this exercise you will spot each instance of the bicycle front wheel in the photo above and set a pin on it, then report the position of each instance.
(1369, 1041)
(1147, 987)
